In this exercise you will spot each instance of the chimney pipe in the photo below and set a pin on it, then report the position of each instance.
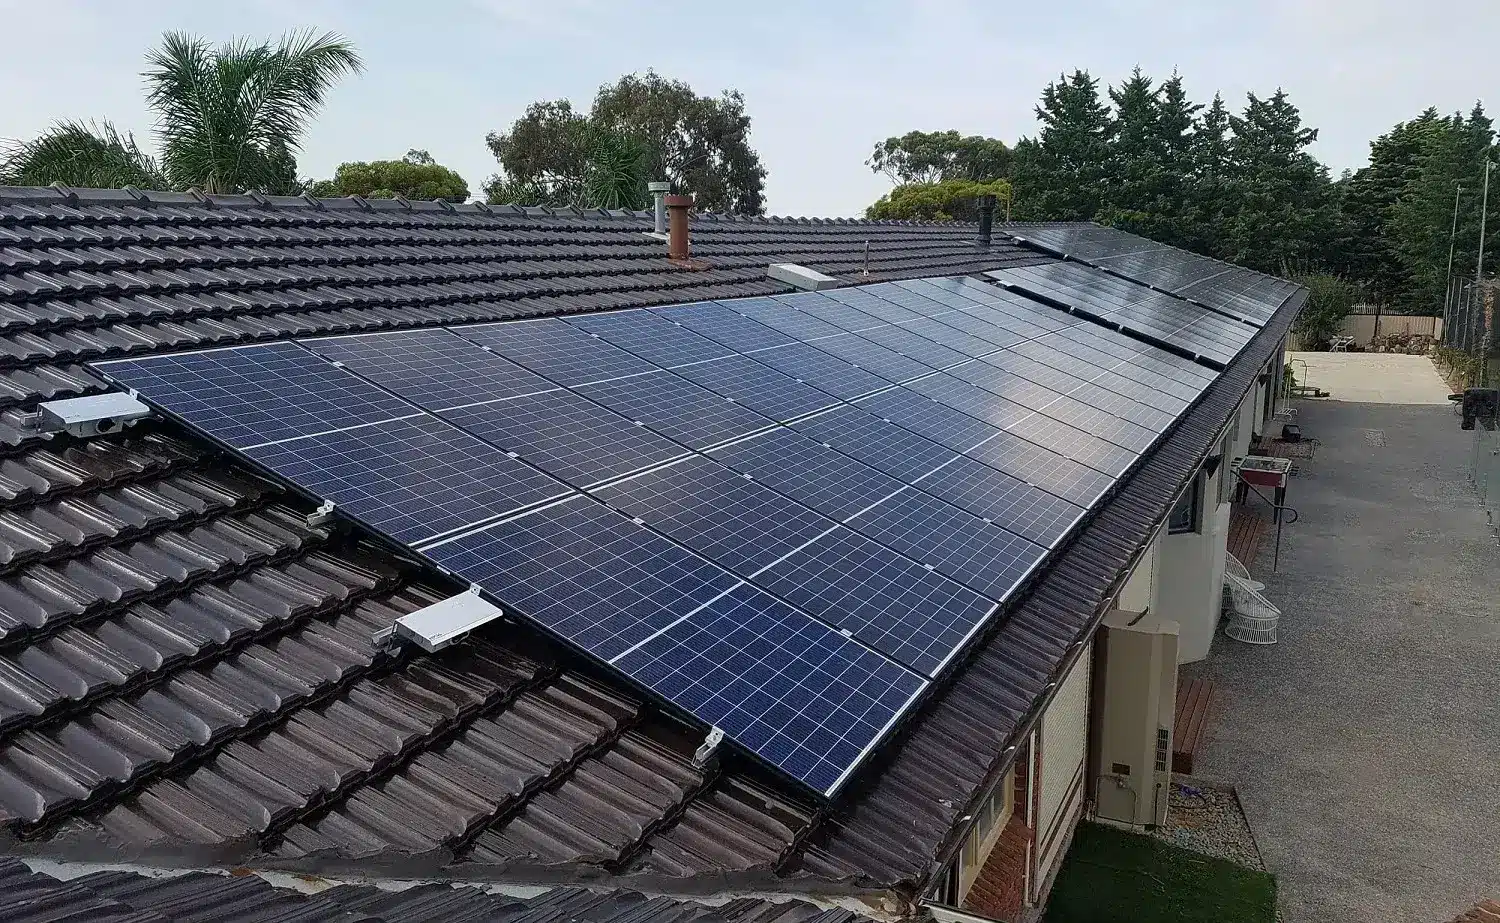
(986, 219)
(658, 190)
(677, 233)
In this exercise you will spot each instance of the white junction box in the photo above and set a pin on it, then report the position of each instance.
(89, 416)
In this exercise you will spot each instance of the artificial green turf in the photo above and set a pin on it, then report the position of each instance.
(1110, 875)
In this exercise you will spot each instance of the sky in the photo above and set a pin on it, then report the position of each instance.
(823, 80)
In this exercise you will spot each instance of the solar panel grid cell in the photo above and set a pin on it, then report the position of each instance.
(798, 694)
(722, 324)
(823, 371)
(412, 479)
(432, 368)
(907, 612)
(650, 336)
(556, 351)
(887, 363)
(568, 436)
(677, 408)
(247, 396)
(836, 486)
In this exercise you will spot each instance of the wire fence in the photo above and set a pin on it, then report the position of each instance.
(1470, 357)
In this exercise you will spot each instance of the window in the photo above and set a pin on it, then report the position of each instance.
(1184, 517)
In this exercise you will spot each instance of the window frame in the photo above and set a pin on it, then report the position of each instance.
(1193, 496)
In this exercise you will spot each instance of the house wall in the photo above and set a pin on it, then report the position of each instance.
(1189, 566)
(1062, 753)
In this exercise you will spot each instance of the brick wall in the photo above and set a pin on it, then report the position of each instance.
(1000, 890)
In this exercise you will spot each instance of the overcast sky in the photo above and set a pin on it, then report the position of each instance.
(823, 80)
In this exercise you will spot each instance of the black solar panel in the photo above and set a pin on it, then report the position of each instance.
(816, 476)
(717, 512)
(758, 386)
(794, 315)
(821, 370)
(897, 607)
(1163, 318)
(721, 323)
(888, 364)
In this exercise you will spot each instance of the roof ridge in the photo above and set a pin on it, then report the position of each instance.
(58, 193)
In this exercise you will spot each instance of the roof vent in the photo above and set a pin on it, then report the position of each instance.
(434, 627)
(800, 276)
(92, 415)
(659, 189)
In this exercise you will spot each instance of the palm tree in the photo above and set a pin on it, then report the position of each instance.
(616, 173)
(229, 119)
(82, 155)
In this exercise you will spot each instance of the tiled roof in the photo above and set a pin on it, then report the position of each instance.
(1484, 912)
(27, 896)
(186, 666)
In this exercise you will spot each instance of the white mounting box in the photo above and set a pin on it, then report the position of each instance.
(89, 416)
(434, 627)
(796, 274)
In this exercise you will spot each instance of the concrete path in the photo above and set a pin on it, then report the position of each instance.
(1366, 744)
(1383, 378)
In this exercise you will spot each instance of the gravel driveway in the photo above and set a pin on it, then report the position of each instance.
(1366, 745)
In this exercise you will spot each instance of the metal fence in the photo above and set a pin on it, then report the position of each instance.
(1470, 353)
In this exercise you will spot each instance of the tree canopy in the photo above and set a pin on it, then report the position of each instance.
(640, 128)
(940, 156)
(229, 119)
(951, 199)
(416, 176)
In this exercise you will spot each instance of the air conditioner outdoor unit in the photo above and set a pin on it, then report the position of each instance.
(1137, 698)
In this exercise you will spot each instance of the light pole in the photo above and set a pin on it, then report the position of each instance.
(1452, 238)
(1484, 207)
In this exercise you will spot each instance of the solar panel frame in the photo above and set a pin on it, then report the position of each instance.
(721, 323)
(759, 387)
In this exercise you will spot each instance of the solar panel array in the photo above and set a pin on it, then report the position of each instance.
(1234, 290)
(1144, 311)
(785, 516)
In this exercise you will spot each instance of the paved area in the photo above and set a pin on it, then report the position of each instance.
(1363, 745)
(1383, 378)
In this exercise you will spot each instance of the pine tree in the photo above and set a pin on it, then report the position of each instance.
(1279, 214)
(1060, 174)
(1208, 196)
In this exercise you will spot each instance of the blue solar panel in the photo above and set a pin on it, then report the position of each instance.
(677, 408)
(650, 336)
(822, 371)
(412, 479)
(432, 368)
(798, 584)
(717, 512)
(792, 315)
(983, 557)
(586, 573)
(721, 323)
(567, 436)
(798, 694)
(900, 608)
(557, 351)
(252, 395)
(833, 484)
(759, 387)
(887, 363)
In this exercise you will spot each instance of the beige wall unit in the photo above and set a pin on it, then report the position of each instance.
(1063, 753)
(1136, 696)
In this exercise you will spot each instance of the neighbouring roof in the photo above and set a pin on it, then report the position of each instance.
(186, 666)
(116, 896)
(1484, 912)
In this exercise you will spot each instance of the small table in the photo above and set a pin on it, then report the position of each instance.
(1261, 471)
